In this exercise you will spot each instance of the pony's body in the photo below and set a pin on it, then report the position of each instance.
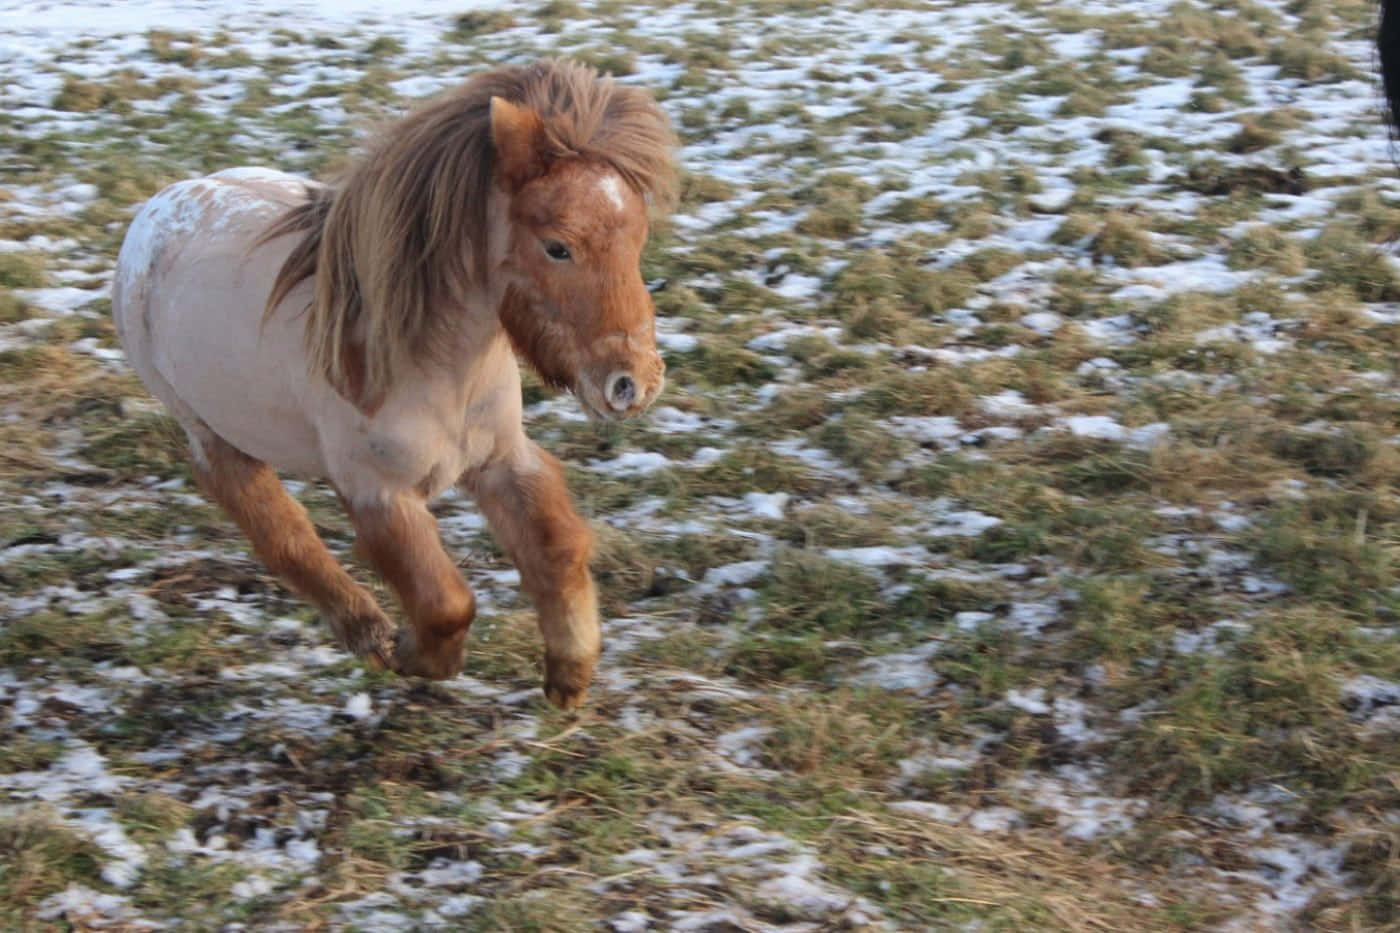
(189, 306)
(366, 332)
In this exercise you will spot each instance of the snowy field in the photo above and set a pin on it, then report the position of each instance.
(1015, 546)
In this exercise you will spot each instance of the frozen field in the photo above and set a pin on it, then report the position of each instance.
(1015, 546)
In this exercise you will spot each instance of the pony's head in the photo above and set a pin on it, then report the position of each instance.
(414, 230)
(575, 306)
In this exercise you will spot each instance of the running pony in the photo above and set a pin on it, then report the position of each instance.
(366, 332)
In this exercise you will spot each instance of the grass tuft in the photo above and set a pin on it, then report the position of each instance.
(40, 856)
(22, 270)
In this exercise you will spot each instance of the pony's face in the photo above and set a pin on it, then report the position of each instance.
(575, 305)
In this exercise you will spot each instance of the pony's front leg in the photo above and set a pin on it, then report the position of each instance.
(536, 524)
(399, 538)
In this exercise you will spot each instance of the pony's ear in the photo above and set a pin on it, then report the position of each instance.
(517, 133)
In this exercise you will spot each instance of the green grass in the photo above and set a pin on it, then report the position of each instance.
(41, 857)
(1344, 260)
(21, 270)
(1266, 248)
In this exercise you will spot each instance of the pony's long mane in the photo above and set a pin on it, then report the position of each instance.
(395, 242)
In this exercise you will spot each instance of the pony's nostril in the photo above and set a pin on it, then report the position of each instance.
(621, 391)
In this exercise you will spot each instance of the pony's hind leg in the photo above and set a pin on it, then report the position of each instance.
(398, 536)
(534, 519)
(286, 542)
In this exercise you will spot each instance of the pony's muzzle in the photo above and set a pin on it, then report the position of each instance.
(621, 384)
(620, 391)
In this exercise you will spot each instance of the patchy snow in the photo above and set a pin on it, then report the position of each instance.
(1213, 639)
(632, 463)
(81, 769)
(777, 340)
(914, 670)
(1008, 404)
(996, 819)
(668, 420)
(1106, 428)
(972, 620)
(803, 898)
(127, 858)
(940, 429)
(1290, 869)
(1156, 283)
(880, 556)
(743, 746)
(1030, 618)
(1043, 323)
(443, 873)
(61, 300)
(1099, 427)
(677, 343)
(964, 523)
(939, 812)
(630, 921)
(737, 574)
(1030, 701)
(1366, 695)
(769, 505)
(1071, 794)
(784, 873)
(80, 907)
(359, 706)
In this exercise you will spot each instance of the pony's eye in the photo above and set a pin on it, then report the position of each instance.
(556, 250)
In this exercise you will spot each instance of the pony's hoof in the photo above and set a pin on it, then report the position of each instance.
(443, 661)
(379, 661)
(565, 698)
(367, 634)
(566, 682)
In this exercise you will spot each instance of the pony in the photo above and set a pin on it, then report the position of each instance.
(365, 331)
